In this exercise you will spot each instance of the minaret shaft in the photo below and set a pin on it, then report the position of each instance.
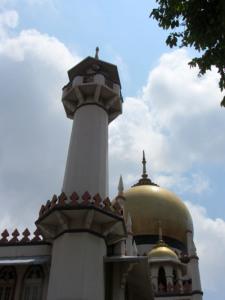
(92, 99)
(87, 161)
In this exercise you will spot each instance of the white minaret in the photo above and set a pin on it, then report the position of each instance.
(79, 224)
(92, 99)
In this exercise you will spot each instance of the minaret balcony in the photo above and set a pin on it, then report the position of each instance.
(81, 214)
(92, 89)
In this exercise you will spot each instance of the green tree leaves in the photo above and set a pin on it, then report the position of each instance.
(199, 24)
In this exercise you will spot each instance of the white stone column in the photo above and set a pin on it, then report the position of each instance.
(154, 278)
(169, 277)
(21, 270)
(196, 282)
(119, 248)
(87, 161)
(77, 270)
(130, 251)
(179, 279)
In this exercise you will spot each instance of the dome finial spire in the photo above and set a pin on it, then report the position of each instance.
(144, 174)
(161, 242)
(144, 180)
(96, 52)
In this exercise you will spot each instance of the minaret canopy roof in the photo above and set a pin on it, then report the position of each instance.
(90, 64)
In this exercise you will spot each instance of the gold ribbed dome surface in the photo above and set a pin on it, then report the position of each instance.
(150, 204)
(162, 252)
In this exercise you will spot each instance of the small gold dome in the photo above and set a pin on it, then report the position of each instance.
(162, 251)
(150, 204)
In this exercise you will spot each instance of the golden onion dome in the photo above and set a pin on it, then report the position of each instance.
(148, 204)
(162, 252)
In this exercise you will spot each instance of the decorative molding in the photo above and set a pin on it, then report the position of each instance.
(92, 87)
(63, 220)
(80, 231)
(26, 235)
(24, 240)
(89, 219)
(15, 235)
(74, 199)
(76, 202)
(79, 95)
(97, 93)
(87, 212)
(110, 228)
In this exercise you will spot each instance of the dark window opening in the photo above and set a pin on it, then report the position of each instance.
(162, 280)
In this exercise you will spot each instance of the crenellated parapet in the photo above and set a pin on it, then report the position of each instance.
(17, 238)
(84, 213)
(76, 202)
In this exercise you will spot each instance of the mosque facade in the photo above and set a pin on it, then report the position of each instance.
(138, 245)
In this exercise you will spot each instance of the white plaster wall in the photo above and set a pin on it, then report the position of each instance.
(195, 275)
(144, 249)
(87, 161)
(77, 270)
(25, 250)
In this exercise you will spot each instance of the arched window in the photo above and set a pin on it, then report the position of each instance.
(162, 280)
(7, 283)
(33, 283)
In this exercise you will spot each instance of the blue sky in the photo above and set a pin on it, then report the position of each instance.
(168, 111)
(120, 28)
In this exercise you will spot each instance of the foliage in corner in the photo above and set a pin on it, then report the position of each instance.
(199, 24)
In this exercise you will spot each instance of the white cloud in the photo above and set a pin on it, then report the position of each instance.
(195, 183)
(33, 125)
(8, 19)
(123, 68)
(173, 119)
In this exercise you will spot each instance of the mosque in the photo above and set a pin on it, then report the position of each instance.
(137, 246)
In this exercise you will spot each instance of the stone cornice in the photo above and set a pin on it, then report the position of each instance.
(86, 214)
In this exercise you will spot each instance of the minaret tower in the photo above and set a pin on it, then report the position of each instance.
(92, 98)
(81, 222)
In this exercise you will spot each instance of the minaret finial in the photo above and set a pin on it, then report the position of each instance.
(144, 174)
(96, 53)
(120, 186)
